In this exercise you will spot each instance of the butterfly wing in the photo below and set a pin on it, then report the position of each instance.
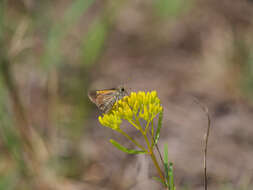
(104, 99)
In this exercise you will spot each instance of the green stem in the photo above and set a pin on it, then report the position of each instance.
(152, 129)
(151, 153)
(157, 166)
(157, 148)
(147, 126)
(132, 140)
(138, 123)
(152, 133)
(137, 120)
(136, 126)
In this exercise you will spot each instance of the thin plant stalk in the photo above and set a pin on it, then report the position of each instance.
(132, 140)
(151, 153)
(206, 137)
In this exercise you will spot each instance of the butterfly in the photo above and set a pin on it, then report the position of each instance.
(105, 99)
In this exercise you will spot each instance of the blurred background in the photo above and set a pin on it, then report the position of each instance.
(53, 52)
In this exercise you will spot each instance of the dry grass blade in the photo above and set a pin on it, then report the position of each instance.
(206, 111)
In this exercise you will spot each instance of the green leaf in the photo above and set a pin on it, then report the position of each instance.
(159, 180)
(166, 162)
(157, 135)
(168, 170)
(124, 149)
(171, 177)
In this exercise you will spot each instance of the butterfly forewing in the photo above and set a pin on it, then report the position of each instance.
(104, 99)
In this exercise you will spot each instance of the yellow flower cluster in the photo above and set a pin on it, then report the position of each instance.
(132, 108)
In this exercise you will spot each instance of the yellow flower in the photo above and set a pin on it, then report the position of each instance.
(133, 108)
(139, 109)
(110, 120)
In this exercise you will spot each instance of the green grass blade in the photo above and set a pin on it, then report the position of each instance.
(124, 149)
(171, 177)
(52, 56)
(76, 10)
(157, 135)
(8, 181)
(94, 42)
(172, 8)
(2, 14)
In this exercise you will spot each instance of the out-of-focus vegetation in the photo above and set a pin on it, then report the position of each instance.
(43, 98)
(52, 52)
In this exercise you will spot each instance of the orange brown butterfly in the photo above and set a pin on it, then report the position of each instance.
(105, 99)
